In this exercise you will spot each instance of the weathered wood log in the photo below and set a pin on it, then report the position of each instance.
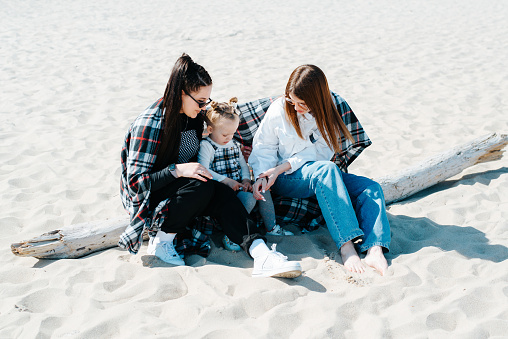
(78, 240)
(73, 241)
(442, 166)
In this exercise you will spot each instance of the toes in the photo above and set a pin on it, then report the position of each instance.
(355, 267)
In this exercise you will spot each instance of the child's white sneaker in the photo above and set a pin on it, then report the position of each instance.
(277, 230)
(275, 264)
(164, 250)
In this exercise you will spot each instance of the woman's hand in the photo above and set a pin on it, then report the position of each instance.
(235, 185)
(267, 179)
(247, 186)
(258, 188)
(263, 184)
(192, 170)
(270, 175)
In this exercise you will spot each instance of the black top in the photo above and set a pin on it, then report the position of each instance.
(191, 135)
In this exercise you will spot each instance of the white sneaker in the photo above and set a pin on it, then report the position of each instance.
(275, 264)
(151, 246)
(277, 230)
(165, 251)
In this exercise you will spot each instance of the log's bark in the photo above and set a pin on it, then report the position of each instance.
(442, 166)
(78, 240)
(73, 241)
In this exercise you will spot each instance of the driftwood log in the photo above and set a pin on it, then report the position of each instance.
(78, 240)
(442, 166)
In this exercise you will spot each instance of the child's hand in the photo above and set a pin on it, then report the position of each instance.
(235, 185)
(247, 186)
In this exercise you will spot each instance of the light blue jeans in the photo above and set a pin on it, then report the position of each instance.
(352, 206)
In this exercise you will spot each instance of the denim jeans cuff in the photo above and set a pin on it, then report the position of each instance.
(364, 247)
(350, 238)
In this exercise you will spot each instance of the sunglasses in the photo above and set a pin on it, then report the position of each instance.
(291, 102)
(200, 104)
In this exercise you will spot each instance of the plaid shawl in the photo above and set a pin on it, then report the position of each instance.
(138, 156)
(139, 153)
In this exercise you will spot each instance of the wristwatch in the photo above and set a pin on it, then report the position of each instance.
(172, 169)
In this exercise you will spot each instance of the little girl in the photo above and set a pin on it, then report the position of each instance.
(222, 156)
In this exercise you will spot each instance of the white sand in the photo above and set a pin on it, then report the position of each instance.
(422, 76)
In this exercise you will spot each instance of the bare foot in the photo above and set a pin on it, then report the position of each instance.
(376, 259)
(350, 258)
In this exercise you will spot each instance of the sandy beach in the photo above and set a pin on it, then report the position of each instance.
(422, 77)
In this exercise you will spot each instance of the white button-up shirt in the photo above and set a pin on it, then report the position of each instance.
(276, 141)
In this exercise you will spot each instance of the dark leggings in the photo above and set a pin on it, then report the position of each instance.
(191, 198)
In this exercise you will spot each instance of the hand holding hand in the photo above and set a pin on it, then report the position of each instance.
(258, 188)
(247, 186)
(270, 175)
(235, 185)
(266, 180)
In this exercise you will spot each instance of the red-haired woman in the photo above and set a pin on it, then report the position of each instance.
(291, 155)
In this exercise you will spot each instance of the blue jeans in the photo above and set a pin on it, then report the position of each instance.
(352, 206)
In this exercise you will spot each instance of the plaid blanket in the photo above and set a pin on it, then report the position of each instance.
(303, 212)
(138, 157)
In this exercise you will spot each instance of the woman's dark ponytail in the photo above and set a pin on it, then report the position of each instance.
(186, 76)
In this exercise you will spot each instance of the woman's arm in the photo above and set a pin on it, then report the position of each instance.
(298, 159)
(160, 179)
(267, 179)
(265, 144)
(166, 176)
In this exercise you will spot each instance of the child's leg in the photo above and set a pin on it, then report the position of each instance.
(247, 200)
(267, 210)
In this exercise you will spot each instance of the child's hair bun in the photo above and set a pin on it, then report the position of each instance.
(219, 110)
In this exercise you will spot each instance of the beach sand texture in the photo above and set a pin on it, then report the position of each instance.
(422, 76)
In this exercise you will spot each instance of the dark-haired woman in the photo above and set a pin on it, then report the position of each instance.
(291, 156)
(164, 187)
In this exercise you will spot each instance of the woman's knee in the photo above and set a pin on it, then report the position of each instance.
(325, 169)
(375, 190)
(202, 191)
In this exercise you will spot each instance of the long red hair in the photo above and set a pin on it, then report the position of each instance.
(308, 83)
